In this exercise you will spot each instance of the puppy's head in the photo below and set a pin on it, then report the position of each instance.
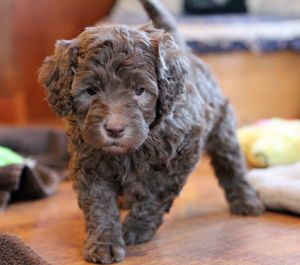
(116, 82)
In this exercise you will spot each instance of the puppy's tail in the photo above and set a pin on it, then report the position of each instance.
(163, 19)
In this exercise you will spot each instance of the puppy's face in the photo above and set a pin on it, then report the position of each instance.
(115, 82)
(115, 93)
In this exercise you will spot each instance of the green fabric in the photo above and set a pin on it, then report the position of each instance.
(8, 157)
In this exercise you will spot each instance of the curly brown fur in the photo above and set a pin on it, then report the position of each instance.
(140, 112)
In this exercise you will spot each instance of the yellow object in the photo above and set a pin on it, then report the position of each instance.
(271, 142)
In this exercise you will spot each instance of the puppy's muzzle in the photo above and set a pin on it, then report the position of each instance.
(114, 129)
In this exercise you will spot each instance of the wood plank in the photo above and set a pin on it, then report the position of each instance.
(199, 230)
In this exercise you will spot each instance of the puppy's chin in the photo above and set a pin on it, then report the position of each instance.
(117, 146)
(114, 147)
(115, 150)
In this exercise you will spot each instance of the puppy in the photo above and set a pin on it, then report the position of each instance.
(140, 110)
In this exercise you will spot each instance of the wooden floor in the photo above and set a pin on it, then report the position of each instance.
(199, 230)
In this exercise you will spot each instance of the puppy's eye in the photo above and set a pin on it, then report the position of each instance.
(91, 91)
(139, 91)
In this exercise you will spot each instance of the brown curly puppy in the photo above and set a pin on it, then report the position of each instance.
(140, 112)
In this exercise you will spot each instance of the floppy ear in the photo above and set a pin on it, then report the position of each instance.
(56, 74)
(171, 74)
(172, 69)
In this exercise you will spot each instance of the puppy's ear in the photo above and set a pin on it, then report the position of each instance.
(172, 69)
(56, 74)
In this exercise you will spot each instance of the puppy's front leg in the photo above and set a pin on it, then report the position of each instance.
(98, 200)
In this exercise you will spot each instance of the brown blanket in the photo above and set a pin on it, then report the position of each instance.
(14, 251)
(47, 150)
(47, 146)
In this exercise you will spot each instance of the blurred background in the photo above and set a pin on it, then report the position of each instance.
(252, 46)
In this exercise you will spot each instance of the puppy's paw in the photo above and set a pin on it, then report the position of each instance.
(136, 234)
(104, 249)
(247, 203)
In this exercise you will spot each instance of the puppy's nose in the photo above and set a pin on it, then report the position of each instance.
(114, 129)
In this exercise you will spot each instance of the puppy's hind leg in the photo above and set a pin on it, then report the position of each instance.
(229, 166)
(143, 220)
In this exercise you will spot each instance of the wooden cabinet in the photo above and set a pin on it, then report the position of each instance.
(28, 32)
(259, 86)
